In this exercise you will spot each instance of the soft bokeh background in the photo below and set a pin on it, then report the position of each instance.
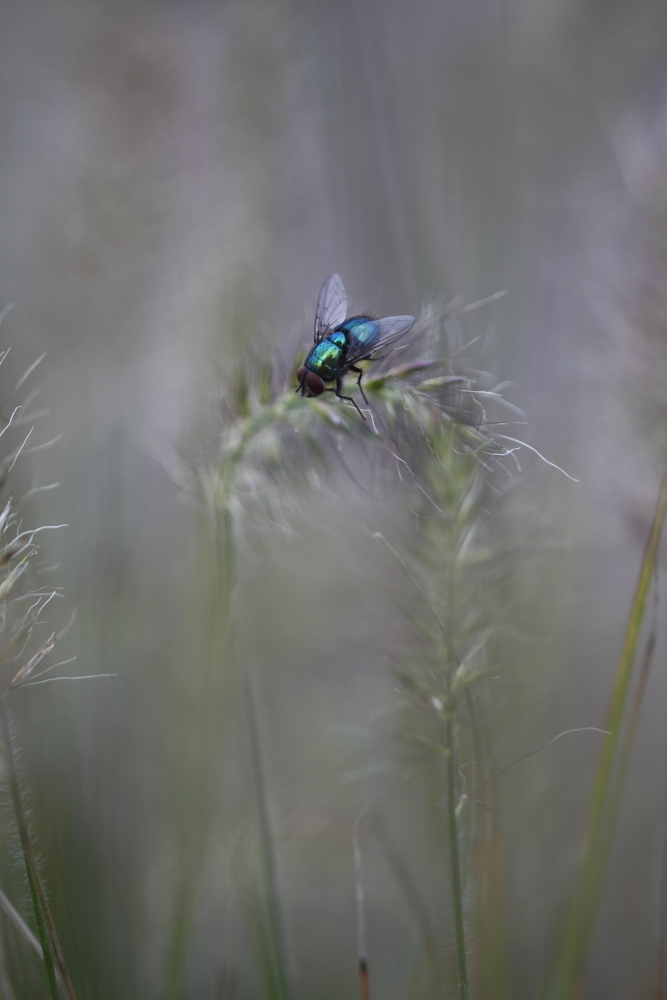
(177, 179)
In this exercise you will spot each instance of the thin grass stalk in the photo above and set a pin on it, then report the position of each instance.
(412, 897)
(41, 931)
(6, 991)
(178, 943)
(618, 784)
(493, 974)
(226, 570)
(582, 915)
(455, 859)
(489, 881)
(45, 926)
(26, 852)
(272, 946)
(275, 924)
(19, 923)
(6, 988)
(658, 880)
(364, 981)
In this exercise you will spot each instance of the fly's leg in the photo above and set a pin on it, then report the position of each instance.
(359, 372)
(339, 386)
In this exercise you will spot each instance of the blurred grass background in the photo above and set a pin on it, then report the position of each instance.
(176, 182)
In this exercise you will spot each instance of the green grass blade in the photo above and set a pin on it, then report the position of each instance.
(616, 793)
(38, 898)
(582, 916)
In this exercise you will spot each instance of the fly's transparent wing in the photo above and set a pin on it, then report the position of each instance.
(331, 307)
(389, 329)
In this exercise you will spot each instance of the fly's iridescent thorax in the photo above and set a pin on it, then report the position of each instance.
(360, 330)
(325, 357)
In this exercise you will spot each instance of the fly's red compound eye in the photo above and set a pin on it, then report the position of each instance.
(314, 384)
(299, 373)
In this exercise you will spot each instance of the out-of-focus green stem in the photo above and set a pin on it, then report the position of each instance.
(582, 916)
(618, 782)
(412, 897)
(455, 859)
(276, 933)
(45, 926)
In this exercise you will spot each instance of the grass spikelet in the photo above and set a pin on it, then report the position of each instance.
(428, 419)
(450, 461)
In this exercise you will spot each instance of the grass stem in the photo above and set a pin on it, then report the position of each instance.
(275, 926)
(41, 932)
(45, 926)
(364, 983)
(455, 860)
